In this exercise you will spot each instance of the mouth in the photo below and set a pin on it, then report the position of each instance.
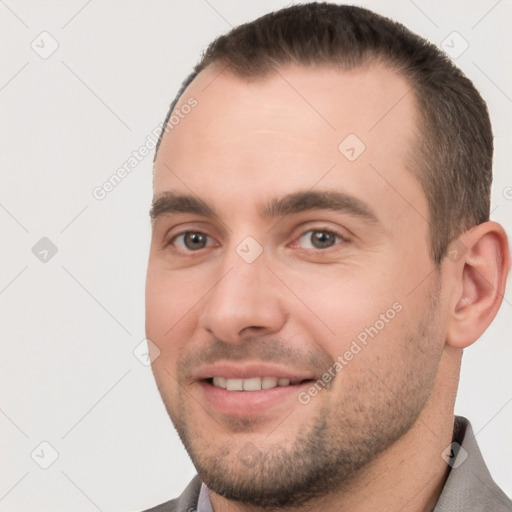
(253, 383)
(250, 388)
(263, 397)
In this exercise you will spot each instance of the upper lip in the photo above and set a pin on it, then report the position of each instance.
(248, 370)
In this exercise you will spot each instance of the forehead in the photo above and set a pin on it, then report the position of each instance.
(353, 130)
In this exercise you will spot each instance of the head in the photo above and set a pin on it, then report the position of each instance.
(321, 216)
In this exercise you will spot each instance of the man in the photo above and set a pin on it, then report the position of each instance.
(321, 255)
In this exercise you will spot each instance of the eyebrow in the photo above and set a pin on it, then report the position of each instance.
(173, 202)
(319, 200)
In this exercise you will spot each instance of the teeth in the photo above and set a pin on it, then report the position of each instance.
(251, 384)
(268, 382)
(234, 384)
(220, 382)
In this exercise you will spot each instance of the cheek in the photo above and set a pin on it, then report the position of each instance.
(170, 311)
(359, 316)
(169, 316)
(342, 303)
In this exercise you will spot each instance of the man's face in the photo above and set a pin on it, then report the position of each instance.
(277, 253)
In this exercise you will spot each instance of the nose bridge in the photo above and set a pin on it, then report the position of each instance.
(243, 265)
(244, 296)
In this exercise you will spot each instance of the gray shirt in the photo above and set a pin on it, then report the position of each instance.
(468, 488)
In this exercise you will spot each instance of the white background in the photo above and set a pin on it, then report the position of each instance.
(67, 372)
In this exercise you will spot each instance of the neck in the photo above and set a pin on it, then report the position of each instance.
(409, 475)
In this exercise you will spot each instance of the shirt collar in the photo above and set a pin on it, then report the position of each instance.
(203, 503)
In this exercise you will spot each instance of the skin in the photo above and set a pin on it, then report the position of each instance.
(373, 440)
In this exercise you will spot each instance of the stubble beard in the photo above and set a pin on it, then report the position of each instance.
(329, 452)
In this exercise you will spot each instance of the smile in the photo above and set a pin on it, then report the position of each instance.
(252, 383)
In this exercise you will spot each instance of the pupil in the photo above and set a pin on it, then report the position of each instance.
(195, 240)
(322, 239)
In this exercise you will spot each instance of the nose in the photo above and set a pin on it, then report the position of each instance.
(245, 301)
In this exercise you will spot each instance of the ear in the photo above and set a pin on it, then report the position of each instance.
(480, 262)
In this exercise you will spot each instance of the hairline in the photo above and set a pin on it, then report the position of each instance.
(414, 163)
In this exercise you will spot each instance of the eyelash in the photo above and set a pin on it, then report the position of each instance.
(338, 236)
(183, 233)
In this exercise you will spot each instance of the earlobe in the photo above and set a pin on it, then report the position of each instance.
(480, 278)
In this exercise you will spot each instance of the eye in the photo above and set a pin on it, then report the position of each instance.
(192, 241)
(319, 239)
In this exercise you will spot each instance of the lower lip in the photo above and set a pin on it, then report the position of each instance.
(250, 403)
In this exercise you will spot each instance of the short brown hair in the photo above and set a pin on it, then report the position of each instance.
(454, 148)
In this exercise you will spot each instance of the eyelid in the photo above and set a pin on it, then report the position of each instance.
(181, 228)
(208, 245)
(336, 232)
(198, 227)
(208, 237)
(338, 241)
(184, 227)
